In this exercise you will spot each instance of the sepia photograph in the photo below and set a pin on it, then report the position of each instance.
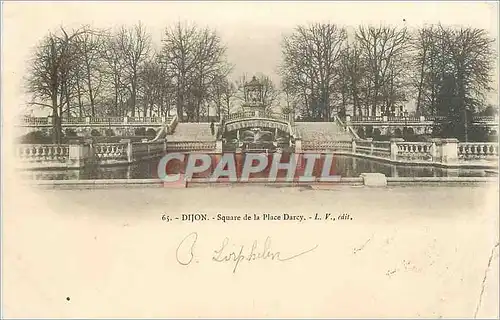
(250, 159)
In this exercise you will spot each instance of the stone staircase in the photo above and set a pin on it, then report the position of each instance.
(192, 132)
(322, 131)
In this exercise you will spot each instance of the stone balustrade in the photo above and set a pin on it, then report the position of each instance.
(416, 151)
(326, 146)
(372, 148)
(43, 152)
(477, 150)
(186, 146)
(257, 114)
(111, 151)
(79, 155)
(447, 152)
(412, 119)
(47, 121)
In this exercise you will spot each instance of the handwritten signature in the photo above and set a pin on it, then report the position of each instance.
(185, 252)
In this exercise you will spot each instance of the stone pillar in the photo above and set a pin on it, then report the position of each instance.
(354, 146)
(384, 118)
(79, 154)
(449, 151)
(394, 147)
(422, 118)
(125, 120)
(218, 146)
(371, 145)
(87, 120)
(49, 120)
(435, 150)
(347, 119)
(130, 159)
(298, 146)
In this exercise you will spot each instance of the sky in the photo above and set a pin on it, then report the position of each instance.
(252, 31)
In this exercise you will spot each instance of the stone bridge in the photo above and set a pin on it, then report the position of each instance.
(420, 125)
(267, 120)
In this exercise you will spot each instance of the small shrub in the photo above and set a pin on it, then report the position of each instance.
(140, 131)
(70, 133)
(151, 132)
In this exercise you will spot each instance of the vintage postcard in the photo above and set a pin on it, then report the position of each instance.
(246, 159)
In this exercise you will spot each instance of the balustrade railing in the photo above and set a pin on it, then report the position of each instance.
(42, 152)
(322, 146)
(477, 150)
(415, 150)
(74, 120)
(191, 145)
(485, 119)
(252, 114)
(373, 148)
(394, 119)
(114, 151)
(416, 119)
(105, 120)
(47, 121)
(35, 121)
(145, 119)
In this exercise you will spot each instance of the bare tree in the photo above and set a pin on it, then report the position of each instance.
(90, 45)
(223, 93)
(49, 76)
(383, 48)
(310, 57)
(134, 45)
(194, 58)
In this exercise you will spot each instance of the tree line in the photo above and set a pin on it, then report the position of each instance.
(326, 69)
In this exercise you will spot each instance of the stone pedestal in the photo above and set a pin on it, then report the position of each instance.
(374, 179)
(449, 151)
(79, 154)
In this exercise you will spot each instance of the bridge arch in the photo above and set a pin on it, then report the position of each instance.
(258, 123)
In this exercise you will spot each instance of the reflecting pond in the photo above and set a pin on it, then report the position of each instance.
(345, 166)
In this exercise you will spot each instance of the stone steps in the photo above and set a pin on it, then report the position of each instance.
(192, 132)
(322, 131)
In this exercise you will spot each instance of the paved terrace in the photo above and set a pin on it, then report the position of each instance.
(408, 252)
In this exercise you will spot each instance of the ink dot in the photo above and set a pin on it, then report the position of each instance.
(404, 20)
(67, 299)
